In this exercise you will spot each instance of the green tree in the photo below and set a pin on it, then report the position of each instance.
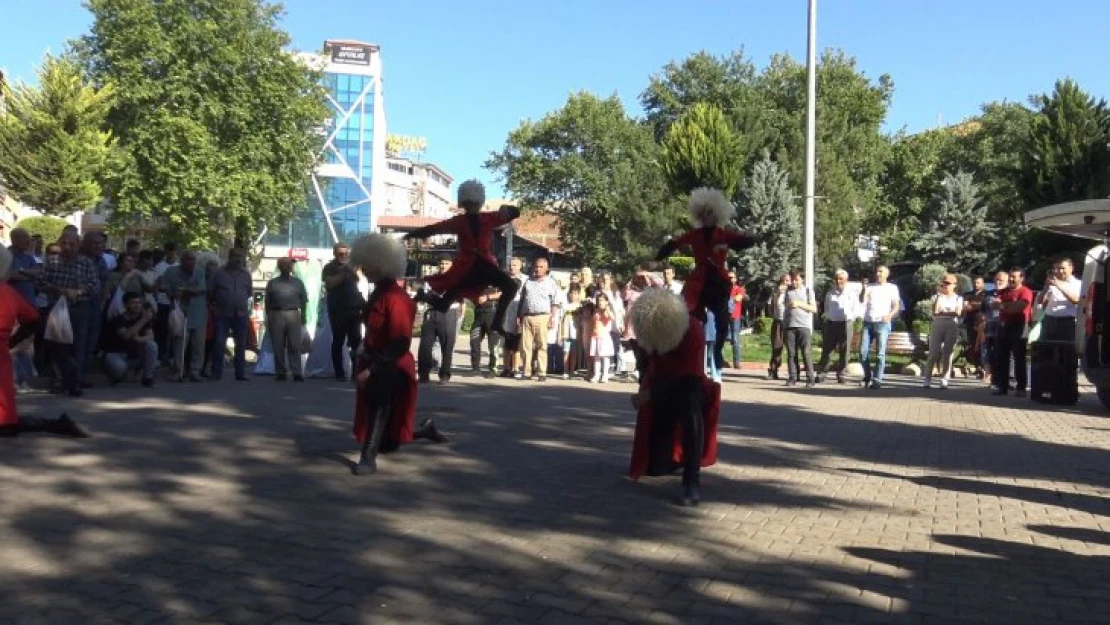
(219, 124)
(956, 230)
(769, 213)
(701, 150)
(851, 149)
(53, 145)
(1068, 157)
(597, 169)
(49, 228)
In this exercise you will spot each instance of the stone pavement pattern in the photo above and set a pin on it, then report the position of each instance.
(233, 503)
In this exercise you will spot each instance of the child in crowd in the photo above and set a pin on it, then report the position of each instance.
(602, 348)
(710, 344)
(568, 331)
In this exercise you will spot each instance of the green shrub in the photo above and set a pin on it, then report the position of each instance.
(923, 310)
(899, 325)
(964, 283)
(761, 325)
(683, 265)
(926, 280)
(49, 228)
(920, 326)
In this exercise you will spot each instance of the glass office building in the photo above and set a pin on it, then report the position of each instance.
(349, 182)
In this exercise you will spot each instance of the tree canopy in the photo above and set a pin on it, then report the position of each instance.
(219, 125)
(701, 150)
(53, 143)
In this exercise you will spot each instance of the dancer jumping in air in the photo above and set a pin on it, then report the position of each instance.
(15, 309)
(474, 268)
(677, 406)
(708, 286)
(385, 403)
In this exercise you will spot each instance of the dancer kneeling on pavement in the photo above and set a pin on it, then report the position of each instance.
(385, 403)
(14, 309)
(677, 406)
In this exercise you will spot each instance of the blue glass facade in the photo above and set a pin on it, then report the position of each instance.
(346, 199)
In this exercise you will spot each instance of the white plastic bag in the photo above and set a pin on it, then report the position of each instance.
(115, 307)
(176, 321)
(59, 329)
(306, 340)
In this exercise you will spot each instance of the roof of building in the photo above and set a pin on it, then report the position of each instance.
(541, 229)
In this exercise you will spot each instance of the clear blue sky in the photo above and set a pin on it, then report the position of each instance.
(463, 74)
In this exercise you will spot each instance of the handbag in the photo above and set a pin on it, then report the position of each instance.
(59, 328)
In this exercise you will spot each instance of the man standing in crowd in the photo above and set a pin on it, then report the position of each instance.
(442, 327)
(1015, 307)
(881, 304)
(973, 319)
(230, 291)
(1060, 300)
(841, 311)
(736, 311)
(669, 282)
(92, 246)
(539, 308)
(801, 303)
(162, 298)
(345, 304)
(187, 286)
(129, 341)
(286, 312)
(76, 278)
(485, 310)
(25, 269)
(511, 328)
(777, 308)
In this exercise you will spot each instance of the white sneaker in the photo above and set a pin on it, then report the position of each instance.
(595, 379)
(944, 383)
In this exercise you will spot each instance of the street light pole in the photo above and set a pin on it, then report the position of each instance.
(811, 140)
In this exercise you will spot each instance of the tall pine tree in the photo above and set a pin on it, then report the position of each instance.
(956, 230)
(769, 214)
(701, 150)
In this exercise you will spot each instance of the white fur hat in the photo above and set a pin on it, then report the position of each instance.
(472, 194)
(710, 207)
(660, 320)
(380, 256)
(5, 262)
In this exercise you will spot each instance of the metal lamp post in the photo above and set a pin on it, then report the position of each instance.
(811, 140)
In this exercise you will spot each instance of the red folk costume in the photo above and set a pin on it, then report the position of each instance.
(708, 287)
(678, 406)
(474, 268)
(385, 403)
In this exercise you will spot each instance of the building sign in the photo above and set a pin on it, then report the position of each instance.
(431, 256)
(351, 54)
(298, 253)
(396, 144)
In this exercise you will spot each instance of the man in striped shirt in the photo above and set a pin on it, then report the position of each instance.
(539, 307)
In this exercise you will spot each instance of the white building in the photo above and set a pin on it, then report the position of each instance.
(416, 189)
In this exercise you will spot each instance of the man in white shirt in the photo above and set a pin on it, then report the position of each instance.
(668, 281)
(1060, 300)
(881, 304)
(161, 324)
(841, 311)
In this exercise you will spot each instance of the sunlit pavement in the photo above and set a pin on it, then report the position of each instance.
(233, 502)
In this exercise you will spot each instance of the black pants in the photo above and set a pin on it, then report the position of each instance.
(1057, 328)
(714, 298)
(484, 274)
(836, 337)
(777, 338)
(798, 343)
(442, 327)
(483, 330)
(345, 327)
(1009, 343)
(678, 402)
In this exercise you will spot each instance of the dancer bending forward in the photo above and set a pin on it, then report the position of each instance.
(14, 309)
(474, 268)
(708, 286)
(677, 406)
(385, 403)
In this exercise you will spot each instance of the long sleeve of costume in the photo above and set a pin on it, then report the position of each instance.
(670, 247)
(738, 241)
(443, 227)
(508, 213)
(28, 319)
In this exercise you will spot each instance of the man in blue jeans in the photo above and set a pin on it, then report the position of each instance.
(736, 313)
(230, 291)
(881, 304)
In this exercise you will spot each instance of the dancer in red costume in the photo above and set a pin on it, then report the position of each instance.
(14, 309)
(677, 406)
(708, 286)
(385, 403)
(474, 268)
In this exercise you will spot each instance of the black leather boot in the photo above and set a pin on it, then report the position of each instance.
(429, 431)
(368, 459)
(691, 491)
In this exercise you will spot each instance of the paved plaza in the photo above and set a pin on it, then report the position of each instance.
(234, 503)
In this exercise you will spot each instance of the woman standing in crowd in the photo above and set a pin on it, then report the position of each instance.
(948, 306)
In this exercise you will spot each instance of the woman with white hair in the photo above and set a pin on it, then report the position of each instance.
(474, 268)
(385, 402)
(708, 286)
(14, 309)
(677, 406)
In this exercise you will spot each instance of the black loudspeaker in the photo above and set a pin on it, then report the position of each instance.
(1054, 378)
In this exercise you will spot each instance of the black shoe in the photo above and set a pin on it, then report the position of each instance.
(691, 495)
(506, 374)
(281, 377)
(791, 382)
(840, 379)
(999, 391)
(444, 379)
(820, 379)
(424, 378)
(1019, 393)
(367, 463)
(810, 382)
(148, 382)
(298, 378)
(69, 427)
(429, 431)
(340, 378)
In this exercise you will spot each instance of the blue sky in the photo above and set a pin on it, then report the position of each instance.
(463, 74)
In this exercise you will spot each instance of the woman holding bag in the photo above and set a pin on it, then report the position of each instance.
(16, 310)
